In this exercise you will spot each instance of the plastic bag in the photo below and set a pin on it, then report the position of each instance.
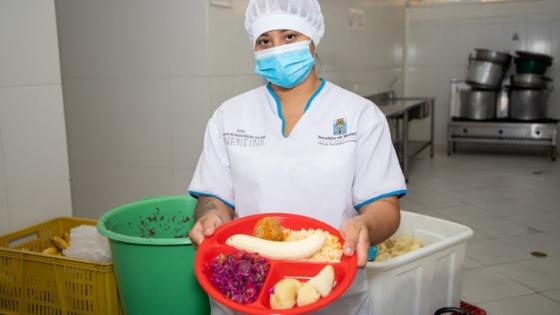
(86, 243)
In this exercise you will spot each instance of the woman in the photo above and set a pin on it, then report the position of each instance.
(299, 144)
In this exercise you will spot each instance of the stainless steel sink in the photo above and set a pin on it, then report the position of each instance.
(392, 106)
(421, 111)
(402, 110)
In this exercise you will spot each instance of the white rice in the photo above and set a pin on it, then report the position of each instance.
(331, 251)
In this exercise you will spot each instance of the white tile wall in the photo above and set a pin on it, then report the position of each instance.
(515, 26)
(221, 89)
(375, 50)
(451, 46)
(34, 175)
(4, 210)
(141, 79)
(29, 54)
(120, 121)
(426, 84)
(335, 15)
(443, 92)
(467, 38)
(490, 34)
(372, 49)
(387, 47)
(189, 101)
(182, 180)
(113, 38)
(35, 156)
(555, 43)
(230, 50)
(246, 82)
(421, 81)
(539, 34)
(424, 79)
(109, 186)
(441, 38)
(425, 44)
(187, 46)
(137, 96)
(133, 38)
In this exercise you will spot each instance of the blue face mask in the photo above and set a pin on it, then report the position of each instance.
(286, 65)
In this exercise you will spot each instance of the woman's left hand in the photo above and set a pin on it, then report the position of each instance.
(356, 239)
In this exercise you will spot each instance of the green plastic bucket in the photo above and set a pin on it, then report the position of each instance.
(153, 257)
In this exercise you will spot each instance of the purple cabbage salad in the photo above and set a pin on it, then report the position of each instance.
(240, 277)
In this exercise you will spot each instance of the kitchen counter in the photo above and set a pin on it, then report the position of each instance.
(394, 108)
(403, 110)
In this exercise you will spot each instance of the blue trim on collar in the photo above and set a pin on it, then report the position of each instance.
(279, 107)
(197, 194)
(398, 193)
(319, 89)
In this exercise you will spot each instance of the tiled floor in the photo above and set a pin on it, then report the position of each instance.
(512, 202)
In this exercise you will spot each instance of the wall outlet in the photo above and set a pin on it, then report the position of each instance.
(222, 3)
(356, 19)
(360, 20)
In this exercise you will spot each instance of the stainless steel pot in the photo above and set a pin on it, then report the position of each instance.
(485, 73)
(478, 104)
(502, 104)
(492, 56)
(528, 104)
(529, 80)
(546, 59)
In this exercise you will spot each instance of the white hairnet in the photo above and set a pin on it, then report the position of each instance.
(303, 16)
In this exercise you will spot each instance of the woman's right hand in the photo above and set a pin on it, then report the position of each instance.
(210, 213)
(205, 226)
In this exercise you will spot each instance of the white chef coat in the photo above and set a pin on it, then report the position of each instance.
(338, 158)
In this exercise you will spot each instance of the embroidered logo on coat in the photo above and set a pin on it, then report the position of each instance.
(339, 126)
(340, 134)
(241, 139)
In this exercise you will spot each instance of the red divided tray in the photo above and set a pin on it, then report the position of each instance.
(279, 269)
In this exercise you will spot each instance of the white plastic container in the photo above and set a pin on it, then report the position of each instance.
(424, 280)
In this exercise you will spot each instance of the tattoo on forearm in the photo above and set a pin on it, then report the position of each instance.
(203, 207)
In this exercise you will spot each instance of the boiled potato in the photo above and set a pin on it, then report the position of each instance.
(285, 294)
(307, 294)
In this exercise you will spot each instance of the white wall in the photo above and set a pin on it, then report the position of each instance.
(34, 179)
(441, 37)
(141, 78)
(364, 61)
(136, 90)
